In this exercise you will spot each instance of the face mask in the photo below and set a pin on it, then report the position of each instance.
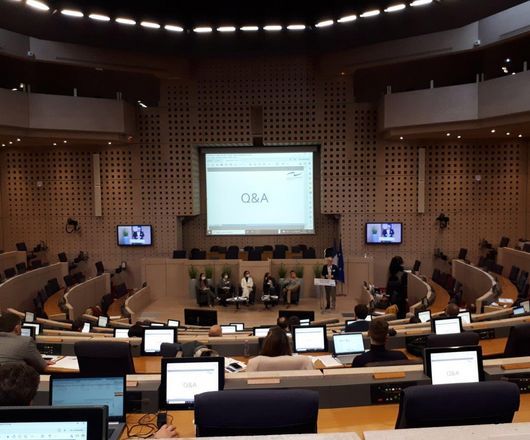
(226, 277)
(203, 278)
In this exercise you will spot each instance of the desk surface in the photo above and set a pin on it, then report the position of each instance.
(357, 419)
(51, 306)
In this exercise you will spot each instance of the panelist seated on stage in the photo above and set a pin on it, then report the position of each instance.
(205, 294)
(378, 332)
(276, 355)
(225, 289)
(19, 384)
(291, 289)
(360, 324)
(271, 290)
(17, 348)
(248, 288)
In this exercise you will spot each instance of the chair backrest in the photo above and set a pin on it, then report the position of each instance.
(254, 255)
(99, 267)
(416, 266)
(179, 254)
(462, 254)
(521, 280)
(425, 406)
(170, 349)
(309, 253)
(514, 273)
(10, 272)
(504, 242)
(79, 277)
(453, 340)
(256, 412)
(526, 247)
(497, 268)
(283, 247)
(69, 280)
(21, 267)
(104, 357)
(21, 247)
(278, 253)
(35, 264)
(518, 343)
(198, 255)
(62, 257)
(232, 253)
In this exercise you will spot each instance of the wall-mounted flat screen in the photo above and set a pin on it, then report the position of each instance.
(384, 233)
(259, 193)
(134, 235)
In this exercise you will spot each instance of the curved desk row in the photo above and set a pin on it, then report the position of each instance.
(477, 285)
(86, 294)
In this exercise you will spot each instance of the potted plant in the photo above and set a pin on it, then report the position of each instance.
(125, 236)
(192, 286)
(375, 237)
(228, 271)
(282, 272)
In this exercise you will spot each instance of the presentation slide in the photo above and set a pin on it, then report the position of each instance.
(458, 367)
(185, 381)
(259, 193)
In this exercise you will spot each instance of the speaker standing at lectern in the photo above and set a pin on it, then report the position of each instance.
(330, 272)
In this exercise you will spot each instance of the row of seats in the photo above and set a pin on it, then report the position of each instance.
(253, 253)
(520, 279)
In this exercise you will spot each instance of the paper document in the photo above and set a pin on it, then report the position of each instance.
(326, 361)
(67, 363)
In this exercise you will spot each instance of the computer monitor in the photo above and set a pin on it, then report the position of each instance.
(311, 338)
(28, 331)
(240, 326)
(305, 322)
(518, 311)
(47, 422)
(154, 337)
(302, 314)
(205, 318)
(424, 316)
(87, 327)
(368, 318)
(261, 332)
(525, 305)
(347, 343)
(103, 321)
(84, 390)
(29, 317)
(121, 332)
(173, 323)
(447, 326)
(183, 378)
(454, 365)
(33, 324)
(226, 329)
(465, 317)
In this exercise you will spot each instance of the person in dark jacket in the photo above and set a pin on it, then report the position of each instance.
(396, 287)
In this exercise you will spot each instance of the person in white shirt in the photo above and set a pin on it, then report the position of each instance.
(247, 286)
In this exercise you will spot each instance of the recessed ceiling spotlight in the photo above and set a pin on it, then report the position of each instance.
(109, 142)
(519, 135)
(493, 130)
(41, 6)
(401, 138)
(347, 19)
(150, 25)
(126, 21)
(18, 139)
(507, 133)
(141, 104)
(99, 17)
(72, 13)
(3, 145)
(173, 28)
(508, 60)
(202, 30)
(324, 23)
(420, 2)
(55, 144)
(296, 27)
(65, 142)
(459, 137)
(249, 28)
(371, 13)
(395, 8)
(14, 89)
(273, 27)
(226, 29)
(448, 134)
(10, 143)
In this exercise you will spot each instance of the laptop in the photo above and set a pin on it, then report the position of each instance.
(83, 390)
(347, 346)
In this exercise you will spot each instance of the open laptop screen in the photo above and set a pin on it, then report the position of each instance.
(38, 422)
(154, 337)
(447, 326)
(121, 332)
(183, 378)
(173, 323)
(261, 332)
(454, 365)
(239, 326)
(424, 316)
(465, 317)
(348, 343)
(33, 324)
(309, 338)
(80, 390)
(103, 321)
(228, 329)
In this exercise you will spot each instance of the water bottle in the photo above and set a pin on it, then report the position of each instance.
(246, 349)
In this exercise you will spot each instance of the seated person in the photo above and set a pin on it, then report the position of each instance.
(204, 288)
(283, 323)
(215, 331)
(270, 287)
(276, 355)
(247, 287)
(291, 287)
(225, 289)
(293, 321)
(137, 329)
(16, 348)
(19, 384)
(451, 311)
(359, 325)
(378, 332)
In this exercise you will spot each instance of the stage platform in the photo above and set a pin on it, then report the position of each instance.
(169, 308)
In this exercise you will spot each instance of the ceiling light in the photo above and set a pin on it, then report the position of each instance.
(150, 25)
(448, 134)
(141, 104)
(10, 143)
(249, 28)
(202, 30)
(504, 69)
(55, 144)
(395, 8)
(99, 17)
(127, 21)
(493, 130)
(18, 139)
(72, 13)
(273, 27)
(459, 137)
(371, 13)
(296, 27)
(3, 145)
(507, 133)
(65, 142)
(401, 138)
(513, 73)
(520, 136)
(21, 85)
(226, 29)
(14, 89)
(110, 143)
(508, 60)
(37, 5)
(173, 28)
(420, 2)
(347, 19)
(324, 23)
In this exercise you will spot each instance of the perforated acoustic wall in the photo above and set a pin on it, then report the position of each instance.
(359, 177)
